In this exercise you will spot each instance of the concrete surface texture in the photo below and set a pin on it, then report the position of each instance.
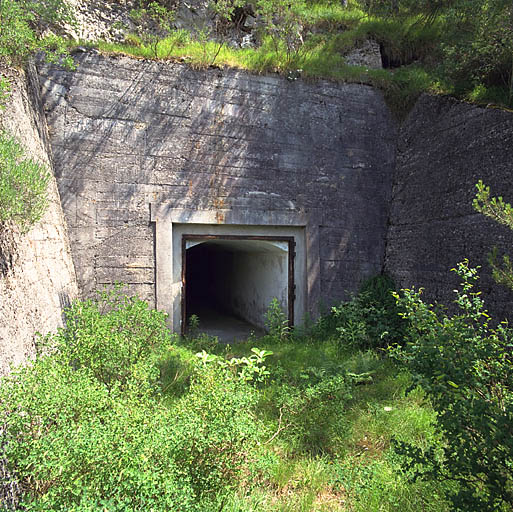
(146, 152)
(41, 279)
(445, 147)
(128, 133)
(131, 137)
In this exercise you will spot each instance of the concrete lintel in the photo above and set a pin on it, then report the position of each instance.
(165, 213)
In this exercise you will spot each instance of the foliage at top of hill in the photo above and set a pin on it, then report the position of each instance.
(458, 47)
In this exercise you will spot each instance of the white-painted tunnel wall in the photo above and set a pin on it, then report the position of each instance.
(256, 274)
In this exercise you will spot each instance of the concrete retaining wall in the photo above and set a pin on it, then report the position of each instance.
(444, 148)
(129, 133)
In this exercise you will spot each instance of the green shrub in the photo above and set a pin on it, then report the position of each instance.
(23, 23)
(17, 39)
(218, 429)
(118, 339)
(23, 185)
(87, 428)
(282, 23)
(75, 445)
(153, 21)
(371, 319)
(502, 212)
(465, 366)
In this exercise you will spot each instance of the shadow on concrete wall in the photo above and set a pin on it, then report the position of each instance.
(127, 133)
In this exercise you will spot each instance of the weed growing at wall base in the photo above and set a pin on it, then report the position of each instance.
(23, 185)
(371, 319)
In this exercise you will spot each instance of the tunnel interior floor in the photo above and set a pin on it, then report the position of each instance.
(227, 328)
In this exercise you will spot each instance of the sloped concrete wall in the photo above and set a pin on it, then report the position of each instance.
(39, 277)
(444, 148)
(128, 133)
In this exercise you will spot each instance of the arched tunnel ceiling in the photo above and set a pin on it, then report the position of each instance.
(242, 245)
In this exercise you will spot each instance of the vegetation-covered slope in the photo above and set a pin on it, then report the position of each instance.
(450, 47)
(458, 47)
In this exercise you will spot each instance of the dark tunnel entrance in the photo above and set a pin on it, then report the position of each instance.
(229, 282)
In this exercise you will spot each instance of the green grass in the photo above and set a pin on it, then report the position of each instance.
(330, 33)
(321, 58)
(303, 423)
(331, 17)
(410, 46)
(346, 462)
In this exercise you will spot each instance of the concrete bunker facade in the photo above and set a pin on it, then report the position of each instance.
(253, 185)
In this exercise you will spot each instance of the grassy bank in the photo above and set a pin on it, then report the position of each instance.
(312, 39)
(120, 415)
(333, 452)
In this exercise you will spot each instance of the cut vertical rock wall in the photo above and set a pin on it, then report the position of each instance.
(38, 279)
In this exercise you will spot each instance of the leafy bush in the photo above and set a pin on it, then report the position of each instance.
(43, 14)
(474, 40)
(245, 369)
(218, 429)
(371, 319)
(23, 184)
(502, 212)
(17, 39)
(282, 23)
(23, 23)
(76, 445)
(465, 365)
(118, 339)
(87, 428)
(478, 44)
(153, 21)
